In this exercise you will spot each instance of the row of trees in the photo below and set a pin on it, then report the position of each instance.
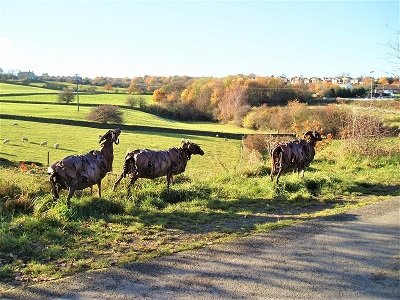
(225, 99)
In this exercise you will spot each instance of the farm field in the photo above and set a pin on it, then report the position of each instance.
(6, 88)
(133, 117)
(114, 99)
(84, 87)
(75, 140)
(222, 195)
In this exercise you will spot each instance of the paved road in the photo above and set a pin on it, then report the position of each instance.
(354, 255)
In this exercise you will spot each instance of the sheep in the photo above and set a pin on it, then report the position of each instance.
(14, 124)
(6, 141)
(24, 139)
(56, 145)
(78, 172)
(293, 156)
(145, 163)
(43, 144)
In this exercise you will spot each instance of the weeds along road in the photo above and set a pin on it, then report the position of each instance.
(353, 255)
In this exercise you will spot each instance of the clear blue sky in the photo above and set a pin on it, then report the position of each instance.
(198, 38)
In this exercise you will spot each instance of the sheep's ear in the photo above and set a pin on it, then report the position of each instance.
(308, 133)
(104, 136)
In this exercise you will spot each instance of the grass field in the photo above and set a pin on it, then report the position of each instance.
(133, 117)
(74, 140)
(6, 88)
(115, 99)
(222, 195)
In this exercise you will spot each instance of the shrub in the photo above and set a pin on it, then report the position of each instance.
(106, 114)
(133, 101)
(66, 96)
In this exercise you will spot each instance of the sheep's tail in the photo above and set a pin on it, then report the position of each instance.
(50, 170)
(54, 182)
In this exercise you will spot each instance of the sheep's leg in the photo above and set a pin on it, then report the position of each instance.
(280, 167)
(274, 166)
(131, 182)
(118, 181)
(271, 175)
(302, 173)
(169, 180)
(71, 191)
(99, 186)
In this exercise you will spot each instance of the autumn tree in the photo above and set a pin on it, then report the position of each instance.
(233, 104)
(383, 81)
(108, 87)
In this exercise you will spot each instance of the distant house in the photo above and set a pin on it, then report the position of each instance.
(29, 75)
(345, 79)
(347, 86)
(326, 79)
(315, 79)
(390, 88)
(337, 80)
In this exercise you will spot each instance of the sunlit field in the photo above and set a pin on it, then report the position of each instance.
(133, 117)
(114, 99)
(6, 88)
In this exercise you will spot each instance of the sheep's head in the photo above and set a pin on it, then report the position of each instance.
(312, 136)
(111, 135)
(192, 148)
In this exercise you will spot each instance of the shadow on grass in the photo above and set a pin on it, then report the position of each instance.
(96, 208)
(222, 215)
(376, 189)
(6, 162)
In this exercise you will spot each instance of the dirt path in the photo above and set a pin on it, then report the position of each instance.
(354, 255)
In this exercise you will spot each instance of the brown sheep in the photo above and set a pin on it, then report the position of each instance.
(78, 172)
(145, 163)
(293, 156)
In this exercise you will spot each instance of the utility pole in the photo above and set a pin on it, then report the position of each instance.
(372, 80)
(77, 88)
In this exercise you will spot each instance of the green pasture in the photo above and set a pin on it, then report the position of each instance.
(133, 117)
(6, 88)
(77, 140)
(114, 99)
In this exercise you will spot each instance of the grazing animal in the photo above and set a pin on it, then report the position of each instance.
(6, 141)
(56, 146)
(43, 144)
(293, 156)
(145, 163)
(14, 124)
(78, 172)
(24, 139)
